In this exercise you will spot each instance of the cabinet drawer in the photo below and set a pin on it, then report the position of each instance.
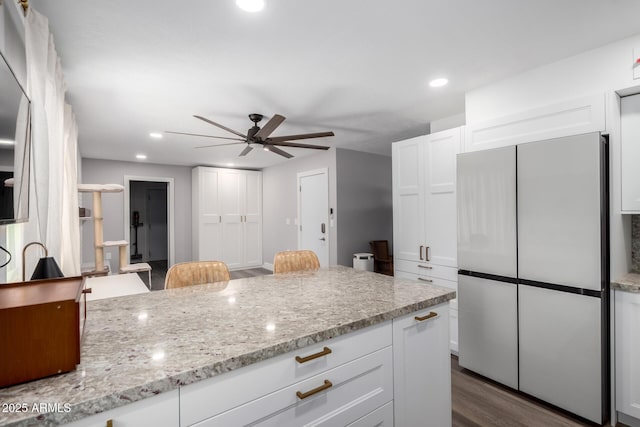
(427, 269)
(213, 396)
(350, 392)
(381, 417)
(157, 411)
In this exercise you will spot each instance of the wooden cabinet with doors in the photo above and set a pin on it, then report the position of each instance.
(424, 211)
(227, 216)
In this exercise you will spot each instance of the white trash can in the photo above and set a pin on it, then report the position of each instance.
(363, 261)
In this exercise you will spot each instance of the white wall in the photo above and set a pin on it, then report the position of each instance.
(603, 70)
(96, 171)
(280, 201)
(364, 202)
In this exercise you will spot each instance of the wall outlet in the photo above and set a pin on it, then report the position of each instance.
(107, 255)
(288, 221)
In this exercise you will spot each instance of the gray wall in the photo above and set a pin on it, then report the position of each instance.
(96, 171)
(365, 204)
(280, 201)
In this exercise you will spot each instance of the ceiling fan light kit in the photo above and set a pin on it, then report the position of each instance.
(261, 136)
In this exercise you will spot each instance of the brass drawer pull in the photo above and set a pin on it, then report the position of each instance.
(428, 267)
(327, 384)
(431, 315)
(324, 352)
(425, 280)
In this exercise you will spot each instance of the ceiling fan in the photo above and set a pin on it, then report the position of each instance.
(261, 136)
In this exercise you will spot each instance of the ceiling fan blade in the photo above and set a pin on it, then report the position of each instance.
(216, 145)
(293, 144)
(205, 136)
(271, 125)
(235, 132)
(246, 150)
(278, 151)
(301, 136)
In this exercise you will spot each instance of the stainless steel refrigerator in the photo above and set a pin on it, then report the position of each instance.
(533, 279)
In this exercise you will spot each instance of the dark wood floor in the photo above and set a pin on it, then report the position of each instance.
(477, 401)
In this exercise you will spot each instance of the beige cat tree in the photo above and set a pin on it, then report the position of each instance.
(98, 242)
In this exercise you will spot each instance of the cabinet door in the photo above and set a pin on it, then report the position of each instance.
(206, 216)
(253, 219)
(158, 411)
(381, 417)
(627, 353)
(630, 136)
(408, 199)
(440, 197)
(231, 185)
(422, 369)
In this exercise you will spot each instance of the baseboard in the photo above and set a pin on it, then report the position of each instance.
(267, 266)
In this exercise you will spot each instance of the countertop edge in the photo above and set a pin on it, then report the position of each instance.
(134, 394)
(628, 283)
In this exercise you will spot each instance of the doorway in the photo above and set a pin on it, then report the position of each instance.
(313, 213)
(148, 225)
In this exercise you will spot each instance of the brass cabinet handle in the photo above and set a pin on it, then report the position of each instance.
(431, 315)
(324, 352)
(425, 280)
(426, 253)
(327, 384)
(109, 423)
(428, 267)
(421, 259)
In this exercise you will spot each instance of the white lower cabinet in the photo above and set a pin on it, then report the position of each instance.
(381, 417)
(334, 398)
(627, 319)
(426, 276)
(422, 370)
(158, 411)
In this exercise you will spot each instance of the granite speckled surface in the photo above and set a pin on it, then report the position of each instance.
(141, 345)
(628, 283)
(635, 242)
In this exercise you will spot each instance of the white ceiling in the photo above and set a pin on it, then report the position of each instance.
(357, 67)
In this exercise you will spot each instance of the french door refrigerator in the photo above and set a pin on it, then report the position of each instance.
(533, 279)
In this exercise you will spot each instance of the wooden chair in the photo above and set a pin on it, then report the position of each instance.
(290, 261)
(382, 261)
(196, 273)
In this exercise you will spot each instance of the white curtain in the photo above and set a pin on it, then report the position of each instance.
(53, 205)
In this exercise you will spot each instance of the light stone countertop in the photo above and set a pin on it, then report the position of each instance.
(628, 283)
(140, 345)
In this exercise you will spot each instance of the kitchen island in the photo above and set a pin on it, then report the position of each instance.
(231, 345)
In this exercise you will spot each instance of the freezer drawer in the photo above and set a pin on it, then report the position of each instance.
(488, 328)
(560, 349)
(559, 234)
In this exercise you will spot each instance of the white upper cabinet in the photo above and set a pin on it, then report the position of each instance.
(408, 199)
(630, 134)
(424, 201)
(227, 216)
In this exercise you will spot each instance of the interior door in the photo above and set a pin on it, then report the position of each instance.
(559, 233)
(313, 203)
(208, 235)
(158, 241)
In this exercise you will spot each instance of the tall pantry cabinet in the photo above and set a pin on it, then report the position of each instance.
(227, 216)
(424, 212)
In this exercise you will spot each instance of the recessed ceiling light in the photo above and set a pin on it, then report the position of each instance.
(141, 156)
(438, 82)
(7, 142)
(155, 135)
(250, 5)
